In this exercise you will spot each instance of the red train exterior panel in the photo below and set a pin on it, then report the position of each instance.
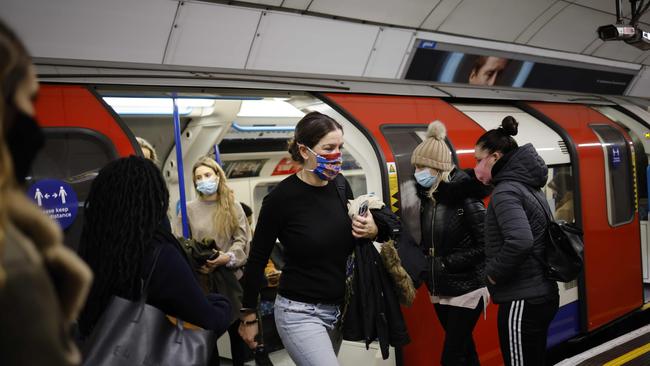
(612, 266)
(75, 106)
(375, 111)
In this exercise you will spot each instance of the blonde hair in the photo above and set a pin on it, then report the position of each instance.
(443, 176)
(225, 216)
(144, 144)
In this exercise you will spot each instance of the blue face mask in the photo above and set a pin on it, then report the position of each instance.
(425, 179)
(207, 187)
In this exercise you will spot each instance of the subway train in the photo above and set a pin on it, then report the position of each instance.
(598, 144)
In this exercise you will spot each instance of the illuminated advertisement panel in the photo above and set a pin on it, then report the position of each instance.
(435, 62)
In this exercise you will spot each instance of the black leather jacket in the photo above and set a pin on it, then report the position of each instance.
(453, 228)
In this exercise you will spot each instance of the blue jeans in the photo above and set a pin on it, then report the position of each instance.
(308, 331)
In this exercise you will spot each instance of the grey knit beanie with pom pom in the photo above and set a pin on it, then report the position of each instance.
(433, 152)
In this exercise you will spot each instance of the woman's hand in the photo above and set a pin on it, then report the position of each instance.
(210, 265)
(364, 226)
(248, 332)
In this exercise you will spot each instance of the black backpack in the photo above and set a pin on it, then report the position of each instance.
(564, 248)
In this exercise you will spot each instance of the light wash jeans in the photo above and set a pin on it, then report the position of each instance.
(308, 331)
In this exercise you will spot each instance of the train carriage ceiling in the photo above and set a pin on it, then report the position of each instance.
(361, 38)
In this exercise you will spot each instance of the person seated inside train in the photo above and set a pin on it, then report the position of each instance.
(486, 70)
(43, 284)
(123, 230)
(562, 187)
(147, 150)
(215, 215)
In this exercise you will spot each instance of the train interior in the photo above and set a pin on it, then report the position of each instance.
(247, 132)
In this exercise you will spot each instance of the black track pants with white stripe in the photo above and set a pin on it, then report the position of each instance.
(523, 327)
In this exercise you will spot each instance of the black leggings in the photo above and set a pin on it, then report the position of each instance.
(523, 327)
(459, 349)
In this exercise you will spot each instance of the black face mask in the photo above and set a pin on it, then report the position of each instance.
(24, 139)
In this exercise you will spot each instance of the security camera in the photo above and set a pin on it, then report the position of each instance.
(615, 32)
(641, 40)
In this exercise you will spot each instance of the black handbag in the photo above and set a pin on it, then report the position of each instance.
(135, 333)
(564, 248)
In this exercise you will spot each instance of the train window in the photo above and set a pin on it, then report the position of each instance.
(637, 132)
(75, 156)
(559, 192)
(619, 182)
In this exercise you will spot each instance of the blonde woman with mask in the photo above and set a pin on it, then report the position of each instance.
(451, 221)
(216, 215)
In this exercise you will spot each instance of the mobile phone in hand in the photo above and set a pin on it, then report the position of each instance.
(363, 209)
(212, 257)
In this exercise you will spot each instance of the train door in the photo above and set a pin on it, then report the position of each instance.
(559, 193)
(247, 133)
(397, 124)
(81, 136)
(605, 198)
(638, 132)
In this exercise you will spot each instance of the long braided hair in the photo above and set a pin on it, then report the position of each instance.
(127, 203)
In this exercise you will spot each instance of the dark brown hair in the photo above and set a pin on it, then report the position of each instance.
(309, 130)
(500, 139)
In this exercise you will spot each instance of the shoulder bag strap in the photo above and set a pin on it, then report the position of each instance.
(145, 284)
(341, 190)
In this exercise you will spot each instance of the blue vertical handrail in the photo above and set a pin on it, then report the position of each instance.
(217, 154)
(179, 165)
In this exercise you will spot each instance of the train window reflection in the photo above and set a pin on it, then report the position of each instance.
(618, 174)
(559, 192)
(75, 156)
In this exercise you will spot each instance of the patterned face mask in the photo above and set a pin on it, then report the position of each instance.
(328, 166)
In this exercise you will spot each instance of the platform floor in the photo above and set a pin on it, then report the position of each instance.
(632, 349)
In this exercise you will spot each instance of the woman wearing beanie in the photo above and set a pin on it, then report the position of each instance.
(451, 218)
(515, 227)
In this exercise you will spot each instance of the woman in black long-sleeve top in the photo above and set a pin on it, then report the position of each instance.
(305, 212)
(124, 224)
(451, 217)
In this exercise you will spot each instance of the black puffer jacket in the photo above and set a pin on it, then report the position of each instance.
(514, 228)
(454, 227)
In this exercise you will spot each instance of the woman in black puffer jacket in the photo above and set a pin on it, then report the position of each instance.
(515, 225)
(451, 221)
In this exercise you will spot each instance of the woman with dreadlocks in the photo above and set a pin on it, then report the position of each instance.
(125, 211)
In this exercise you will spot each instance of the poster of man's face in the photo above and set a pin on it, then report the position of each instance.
(487, 69)
(432, 62)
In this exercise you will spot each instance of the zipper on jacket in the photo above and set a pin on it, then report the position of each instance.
(432, 250)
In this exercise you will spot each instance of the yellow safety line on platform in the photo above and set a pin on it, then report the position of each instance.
(629, 356)
(645, 307)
